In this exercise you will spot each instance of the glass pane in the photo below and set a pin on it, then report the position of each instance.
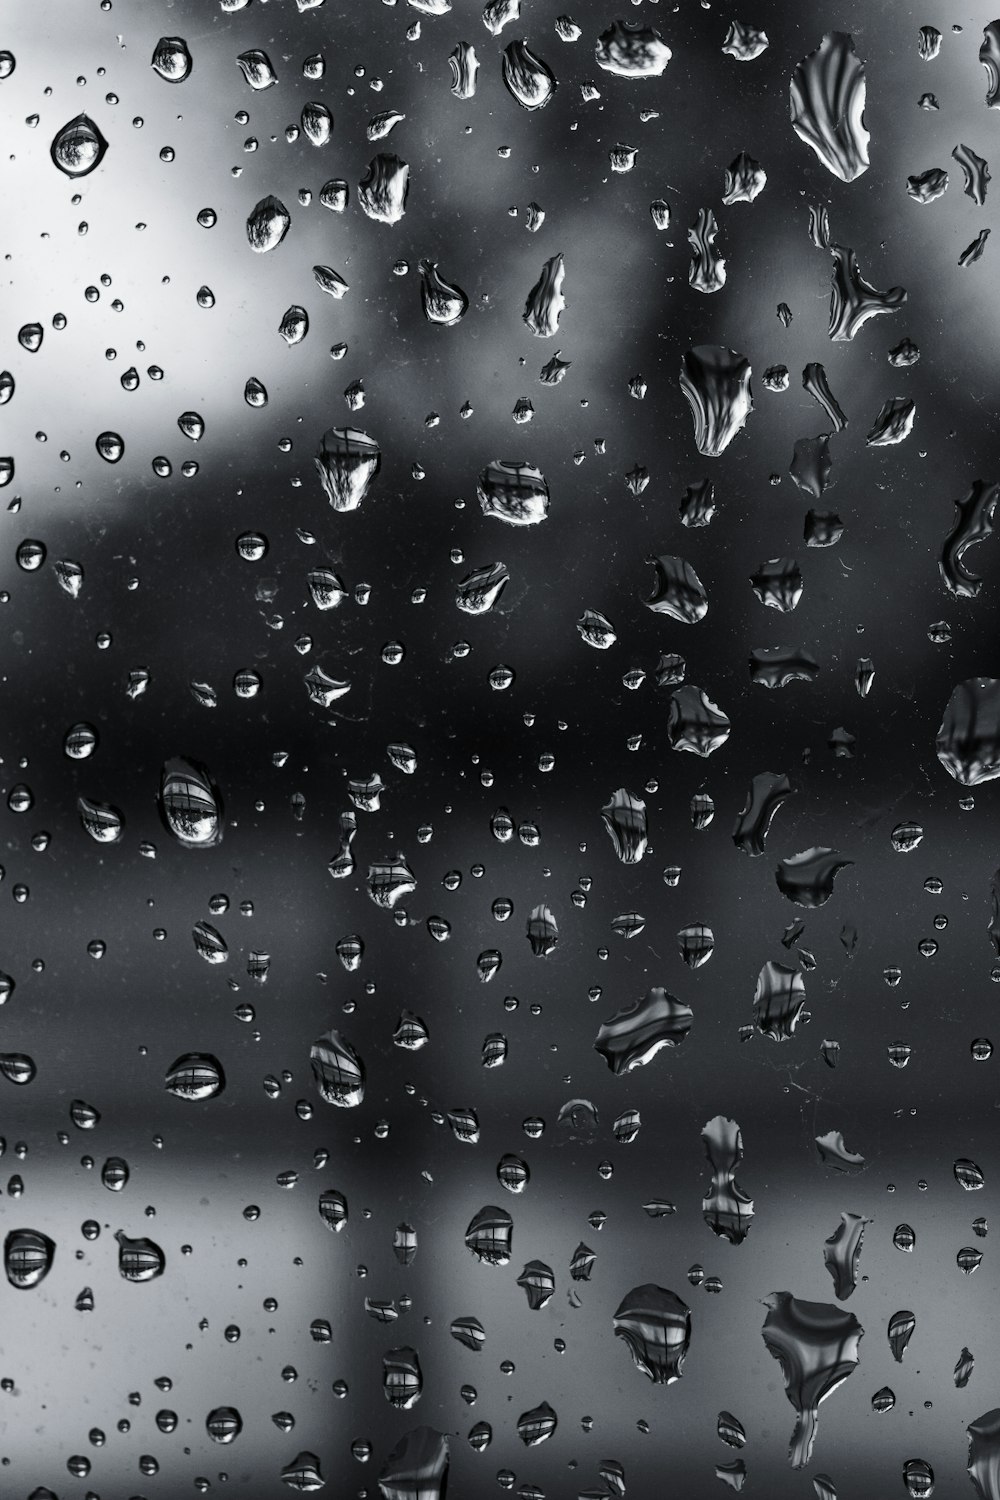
(499, 739)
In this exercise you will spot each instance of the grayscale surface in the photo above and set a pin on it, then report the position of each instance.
(500, 733)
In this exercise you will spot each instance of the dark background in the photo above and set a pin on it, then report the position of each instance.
(163, 578)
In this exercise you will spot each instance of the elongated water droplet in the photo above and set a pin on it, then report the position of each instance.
(442, 303)
(526, 77)
(546, 302)
(383, 190)
(625, 819)
(842, 1251)
(726, 1209)
(464, 66)
(828, 106)
(817, 1346)
(190, 804)
(338, 1070)
(968, 740)
(716, 384)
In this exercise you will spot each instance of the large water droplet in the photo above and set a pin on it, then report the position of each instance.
(632, 51)
(172, 59)
(190, 804)
(338, 1070)
(268, 223)
(828, 106)
(968, 740)
(513, 491)
(78, 147)
(383, 189)
(139, 1259)
(347, 461)
(634, 1035)
(195, 1075)
(727, 1210)
(656, 1326)
(527, 78)
(716, 383)
(816, 1345)
(27, 1257)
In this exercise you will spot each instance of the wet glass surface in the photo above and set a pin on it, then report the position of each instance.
(500, 728)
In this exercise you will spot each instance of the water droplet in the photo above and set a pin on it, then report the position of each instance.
(716, 384)
(110, 447)
(899, 1332)
(537, 1425)
(828, 106)
(513, 491)
(726, 1209)
(842, 1251)
(256, 69)
(968, 740)
(853, 300)
(338, 1070)
(347, 461)
(268, 223)
(632, 51)
(104, 822)
(634, 1035)
(417, 1467)
(224, 1424)
(195, 1075)
(171, 59)
(139, 1259)
(816, 1345)
(489, 1235)
(546, 303)
(383, 190)
(526, 77)
(190, 804)
(78, 147)
(656, 1327)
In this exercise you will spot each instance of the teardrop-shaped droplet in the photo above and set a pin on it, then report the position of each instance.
(139, 1259)
(443, 303)
(79, 147)
(190, 804)
(172, 59)
(104, 822)
(528, 79)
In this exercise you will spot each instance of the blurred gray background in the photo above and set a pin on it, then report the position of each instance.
(163, 579)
